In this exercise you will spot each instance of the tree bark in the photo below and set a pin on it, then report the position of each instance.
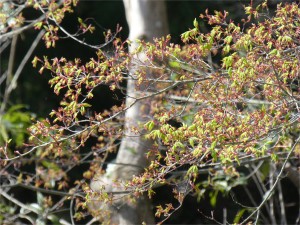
(146, 19)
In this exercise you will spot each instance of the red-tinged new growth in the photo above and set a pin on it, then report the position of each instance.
(222, 99)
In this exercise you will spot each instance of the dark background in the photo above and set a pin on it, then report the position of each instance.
(34, 91)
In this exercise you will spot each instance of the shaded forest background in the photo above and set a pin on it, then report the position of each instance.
(104, 15)
(35, 94)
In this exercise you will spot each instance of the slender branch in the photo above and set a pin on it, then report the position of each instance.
(71, 211)
(271, 190)
(4, 45)
(271, 208)
(10, 68)
(12, 82)
(22, 29)
(83, 42)
(282, 206)
(289, 50)
(17, 202)
(53, 192)
(24, 61)
(3, 77)
(92, 221)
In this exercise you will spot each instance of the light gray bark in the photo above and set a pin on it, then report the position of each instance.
(146, 19)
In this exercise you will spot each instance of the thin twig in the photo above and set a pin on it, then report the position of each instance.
(13, 83)
(270, 191)
(282, 206)
(4, 45)
(71, 211)
(272, 214)
(10, 68)
(17, 202)
(20, 30)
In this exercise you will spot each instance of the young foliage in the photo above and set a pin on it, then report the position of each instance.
(233, 93)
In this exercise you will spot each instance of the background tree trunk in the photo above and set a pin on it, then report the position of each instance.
(146, 19)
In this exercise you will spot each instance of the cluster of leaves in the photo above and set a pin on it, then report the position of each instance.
(14, 123)
(12, 19)
(39, 169)
(233, 91)
(244, 94)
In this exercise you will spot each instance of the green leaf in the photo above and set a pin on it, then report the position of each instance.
(86, 104)
(213, 198)
(34, 61)
(154, 134)
(188, 119)
(193, 170)
(191, 141)
(149, 125)
(228, 39)
(214, 155)
(178, 144)
(274, 157)
(54, 219)
(38, 25)
(174, 64)
(50, 165)
(213, 145)
(238, 216)
(195, 23)
(40, 198)
(4, 134)
(273, 52)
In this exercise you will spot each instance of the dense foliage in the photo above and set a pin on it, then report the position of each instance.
(221, 101)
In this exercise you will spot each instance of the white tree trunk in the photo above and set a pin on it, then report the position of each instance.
(146, 19)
